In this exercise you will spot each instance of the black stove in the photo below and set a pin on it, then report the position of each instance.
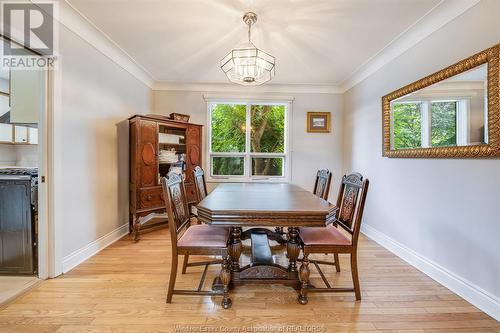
(19, 171)
(19, 198)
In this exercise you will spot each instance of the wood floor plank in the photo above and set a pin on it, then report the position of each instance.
(123, 289)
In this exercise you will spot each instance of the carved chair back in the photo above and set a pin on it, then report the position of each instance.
(322, 184)
(199, 182)
(177, 208)
(351, 203)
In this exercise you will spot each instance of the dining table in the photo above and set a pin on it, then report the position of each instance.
(257, 207)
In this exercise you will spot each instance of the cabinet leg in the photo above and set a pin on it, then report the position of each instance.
(137, 227)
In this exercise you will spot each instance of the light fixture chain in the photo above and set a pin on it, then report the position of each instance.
(249, 31)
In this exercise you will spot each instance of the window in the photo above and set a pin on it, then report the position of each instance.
(428, 123)
(247, 141)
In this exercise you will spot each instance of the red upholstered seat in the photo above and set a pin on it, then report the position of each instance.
(202, 235)
(323, 236)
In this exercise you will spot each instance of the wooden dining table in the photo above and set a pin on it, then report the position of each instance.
(259, 206)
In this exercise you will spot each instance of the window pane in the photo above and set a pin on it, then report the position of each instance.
(268, 128)
(407, 125)
(228, 166)
(443, 124)
(267, 166)
(228, 128)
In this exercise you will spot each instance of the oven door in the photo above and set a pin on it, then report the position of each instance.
(17, 236)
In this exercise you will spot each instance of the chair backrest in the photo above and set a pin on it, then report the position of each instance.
(322, 184)
(177, 208)
(351, 203)
(199, 182)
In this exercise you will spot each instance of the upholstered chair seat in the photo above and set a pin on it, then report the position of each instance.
(321, 236)
(203, 235)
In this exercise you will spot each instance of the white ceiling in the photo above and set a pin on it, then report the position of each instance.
(315, 41)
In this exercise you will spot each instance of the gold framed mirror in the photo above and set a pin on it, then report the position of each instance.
(453, 113)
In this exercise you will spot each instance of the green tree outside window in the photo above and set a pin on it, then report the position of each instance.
(407, 125)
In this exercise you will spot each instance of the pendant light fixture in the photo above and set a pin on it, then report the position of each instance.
(246, 64)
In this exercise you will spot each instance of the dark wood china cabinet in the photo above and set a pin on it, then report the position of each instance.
(158, 144)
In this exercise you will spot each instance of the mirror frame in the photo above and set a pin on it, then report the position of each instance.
(489, 56)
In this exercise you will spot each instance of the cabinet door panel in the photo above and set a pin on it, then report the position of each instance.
(191, 193)
(20, 134)
(148, 158)
(193, 141)
(33, 136)
(6, 132)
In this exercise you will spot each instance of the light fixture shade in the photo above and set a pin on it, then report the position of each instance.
(248, 65)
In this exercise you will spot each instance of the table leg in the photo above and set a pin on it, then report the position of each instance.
(234, 249)
(293, 248)
(304, 280)
(225, 276)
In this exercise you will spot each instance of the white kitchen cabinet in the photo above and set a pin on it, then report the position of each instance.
(27, 96)
(20, 134)
(32, 136)
(6, 133)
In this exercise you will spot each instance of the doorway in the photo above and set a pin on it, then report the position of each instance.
(24, 241)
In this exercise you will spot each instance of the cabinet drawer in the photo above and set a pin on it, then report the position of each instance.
(151, 198)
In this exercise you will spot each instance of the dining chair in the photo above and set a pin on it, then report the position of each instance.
(195, 239)
(350, 203)
(322, 184)
(201, 188)
(200, 184)
(201, 193)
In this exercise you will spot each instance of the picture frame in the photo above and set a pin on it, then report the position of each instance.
(318, 122)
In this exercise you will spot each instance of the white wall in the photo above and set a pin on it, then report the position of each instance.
(442, 210)
(309, 151)
(18, 155)
(7, 155)
(91, 166)
(26, 155)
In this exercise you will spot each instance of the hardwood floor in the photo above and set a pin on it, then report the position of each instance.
(123, 289)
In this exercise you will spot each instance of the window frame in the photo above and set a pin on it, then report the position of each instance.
(248, 154)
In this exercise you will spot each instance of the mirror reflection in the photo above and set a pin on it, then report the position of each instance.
(452, 112)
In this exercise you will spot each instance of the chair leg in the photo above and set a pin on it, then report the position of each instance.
(184, 263)
(355, 278)
(304, 279)
(173, 275)
(337, 262)
(225, 276)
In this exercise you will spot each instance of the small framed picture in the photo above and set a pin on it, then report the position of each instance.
(318, 122)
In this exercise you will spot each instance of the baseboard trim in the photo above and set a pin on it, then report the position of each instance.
(76, 258)
(473, 294)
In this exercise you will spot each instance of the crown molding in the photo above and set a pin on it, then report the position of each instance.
(437, 17)
(231, 87)
(79, 24)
